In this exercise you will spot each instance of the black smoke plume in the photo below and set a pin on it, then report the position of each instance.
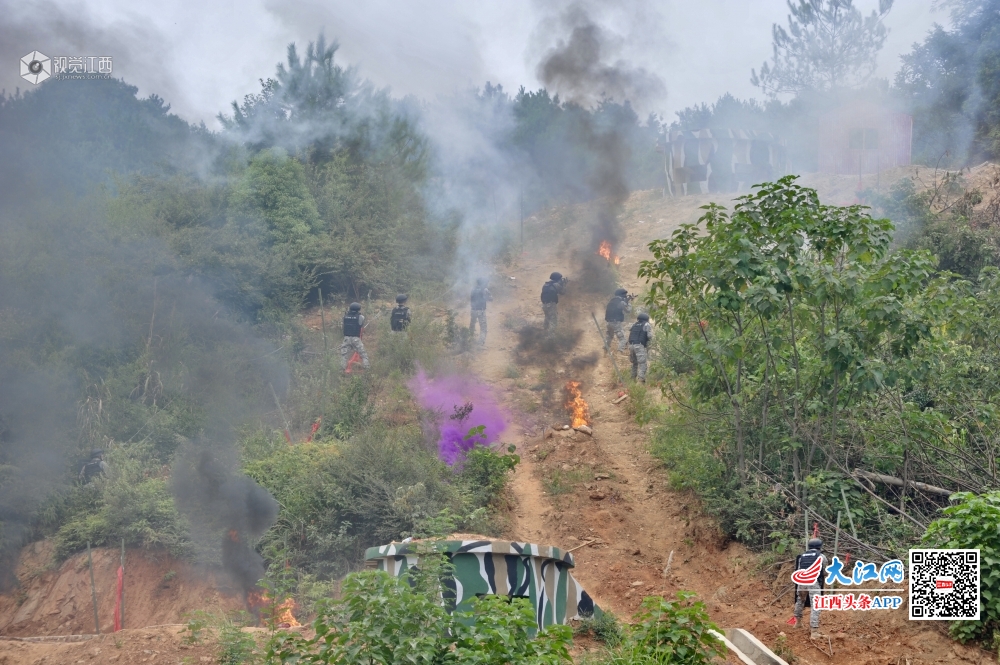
(226, 509)
(583, 69)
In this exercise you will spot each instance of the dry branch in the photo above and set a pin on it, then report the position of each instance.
(898, 482)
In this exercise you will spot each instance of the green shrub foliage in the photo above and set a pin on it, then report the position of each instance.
(971, 523)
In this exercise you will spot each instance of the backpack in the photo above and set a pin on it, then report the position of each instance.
(549, 293)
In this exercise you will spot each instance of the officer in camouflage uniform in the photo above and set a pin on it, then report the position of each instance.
(614, 315)
(804, 594)
(480, 296)
(354, 323)
(399, 319)
(639, 337)
(550, 300)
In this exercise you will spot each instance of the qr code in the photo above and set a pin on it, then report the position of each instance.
(944, 585)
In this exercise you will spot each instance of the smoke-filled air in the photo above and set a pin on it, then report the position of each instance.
(612, 302)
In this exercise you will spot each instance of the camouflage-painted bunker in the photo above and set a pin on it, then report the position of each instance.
(540, 573)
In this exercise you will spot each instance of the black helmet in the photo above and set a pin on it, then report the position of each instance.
(401, 298)
(96, 453)
(556, 276)
(480, 281)
(355, 307)
(643, 316)
(621, 292)
(815, 544)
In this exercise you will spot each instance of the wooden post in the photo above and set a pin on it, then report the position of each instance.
(288, 428)
(850, 520)
(521, 206)
(836, 537)
(322, 319)
(122, 615)
(805, 522)
(93, 589)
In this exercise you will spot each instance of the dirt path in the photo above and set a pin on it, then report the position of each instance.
(608, 489)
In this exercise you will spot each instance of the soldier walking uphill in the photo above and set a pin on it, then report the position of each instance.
(354, 323)
(550, 300)
(804, 594)
(614, 315)
(480, 296)
(400, 317)
(639, 337)
(95, 467)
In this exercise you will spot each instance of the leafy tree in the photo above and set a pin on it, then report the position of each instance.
(792, 306)
(828, 45)
(952, 83)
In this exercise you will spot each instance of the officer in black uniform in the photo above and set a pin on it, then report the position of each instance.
(354, 323)
(804, 594)
(614, 316)
(399, 319)
(480, 296)
(550, 300)
(639, 337)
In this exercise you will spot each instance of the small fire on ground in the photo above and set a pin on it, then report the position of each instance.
(605, 251)
(576, 405)
(277, 614)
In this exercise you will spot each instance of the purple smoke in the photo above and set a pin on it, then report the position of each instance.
(450, 397)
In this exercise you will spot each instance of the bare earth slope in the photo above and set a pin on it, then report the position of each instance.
(605, 489)
(610, 490)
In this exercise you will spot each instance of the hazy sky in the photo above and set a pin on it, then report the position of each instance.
(201, 56)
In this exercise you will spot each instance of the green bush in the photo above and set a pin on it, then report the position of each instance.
(386, 619)
(485, 473)
(606, 628)
(670, 631)
(127, 503)
(972, 524)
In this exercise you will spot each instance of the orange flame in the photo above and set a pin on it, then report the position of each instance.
(605, 250)
(576, 405)
(280, 614)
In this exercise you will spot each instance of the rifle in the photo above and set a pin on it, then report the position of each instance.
(607, 349)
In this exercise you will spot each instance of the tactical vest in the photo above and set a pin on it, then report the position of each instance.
(91, 470)
(352, 324)
(637, 333)
(615, 311)
(478, 298)
(398, 319)
(807, 559)
(550, 293)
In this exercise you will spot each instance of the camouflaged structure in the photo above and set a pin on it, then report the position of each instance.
(540, 573)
